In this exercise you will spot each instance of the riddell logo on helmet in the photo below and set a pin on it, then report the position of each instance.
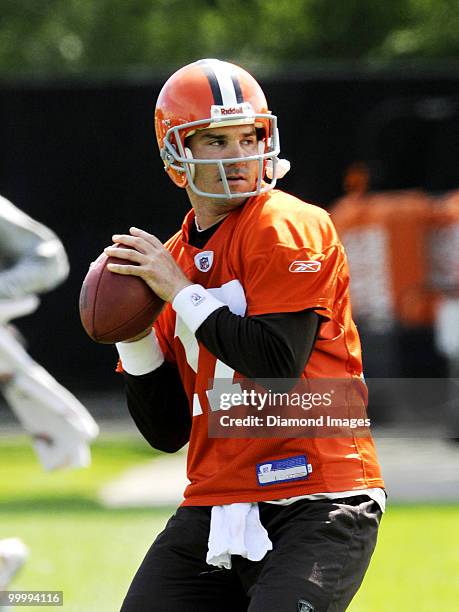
(232, 110)
(218, 112)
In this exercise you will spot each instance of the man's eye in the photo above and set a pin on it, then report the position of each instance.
(216, 143)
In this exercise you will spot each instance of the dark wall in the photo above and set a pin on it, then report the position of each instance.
(83, 159)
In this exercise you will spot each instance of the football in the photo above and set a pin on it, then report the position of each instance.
(115, 307)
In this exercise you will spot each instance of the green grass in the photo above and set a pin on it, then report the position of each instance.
(415, 567)
(24, 485)
(76, 545)
(91, 556)
(91, 553)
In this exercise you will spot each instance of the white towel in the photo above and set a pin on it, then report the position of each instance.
(235, 529)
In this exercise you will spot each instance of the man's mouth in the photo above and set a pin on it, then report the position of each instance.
(235, 178)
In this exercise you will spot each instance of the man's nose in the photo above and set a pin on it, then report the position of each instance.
(235, 149)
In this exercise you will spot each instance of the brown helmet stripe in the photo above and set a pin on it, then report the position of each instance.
(213, 82)
(237, 89)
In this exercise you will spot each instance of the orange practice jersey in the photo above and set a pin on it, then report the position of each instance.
(274, 254)
(387, 238)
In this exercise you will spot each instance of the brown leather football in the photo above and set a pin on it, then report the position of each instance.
(116, 307)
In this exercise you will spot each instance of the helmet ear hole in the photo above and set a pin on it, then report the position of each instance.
(189, 155)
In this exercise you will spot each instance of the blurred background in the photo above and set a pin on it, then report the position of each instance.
(367, 96)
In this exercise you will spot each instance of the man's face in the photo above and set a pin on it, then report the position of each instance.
(220, 143)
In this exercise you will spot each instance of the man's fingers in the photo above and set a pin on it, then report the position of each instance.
(128, 254)
(135, 231)
(123, 238)
(139, 239)
(124, 269)
(131, 241)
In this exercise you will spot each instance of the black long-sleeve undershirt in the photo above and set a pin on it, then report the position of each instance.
(263, 346)
(159, 407)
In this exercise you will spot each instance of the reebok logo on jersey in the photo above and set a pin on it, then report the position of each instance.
(204, 260)
(197, 299)
(305, 266)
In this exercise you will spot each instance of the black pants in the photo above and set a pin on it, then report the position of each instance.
(321, 551)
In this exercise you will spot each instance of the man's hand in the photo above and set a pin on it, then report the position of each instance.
(150, 260)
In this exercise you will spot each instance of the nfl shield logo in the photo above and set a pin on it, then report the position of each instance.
(204, 260)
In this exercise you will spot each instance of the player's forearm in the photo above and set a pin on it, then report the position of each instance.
(264, 346)
(159, 407)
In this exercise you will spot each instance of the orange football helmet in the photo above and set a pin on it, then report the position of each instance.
(211, 93)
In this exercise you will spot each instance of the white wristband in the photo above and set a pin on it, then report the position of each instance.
(142, 356)
(194, 304)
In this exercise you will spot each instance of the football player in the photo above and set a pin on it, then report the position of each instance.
(256, 285)
(33, 261)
